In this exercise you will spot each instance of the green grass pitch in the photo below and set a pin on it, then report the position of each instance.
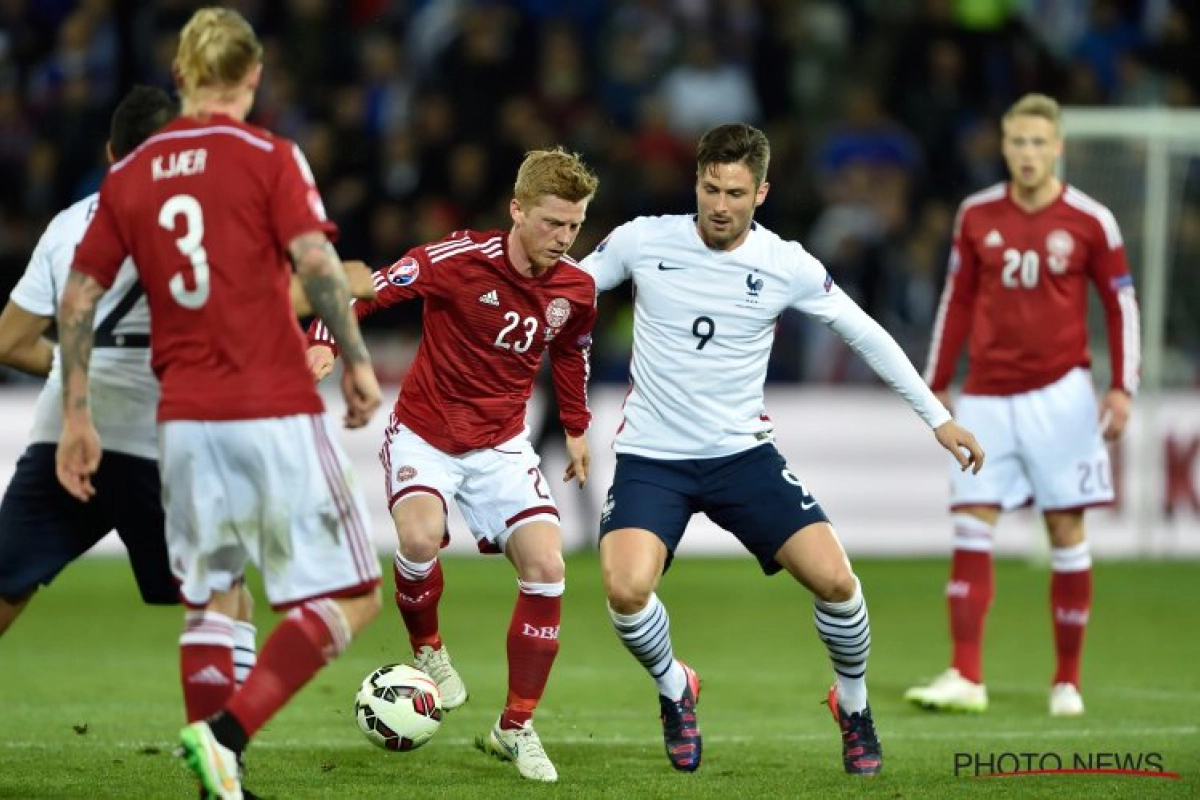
(90, 705)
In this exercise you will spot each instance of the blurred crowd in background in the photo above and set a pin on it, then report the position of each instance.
(414, 115)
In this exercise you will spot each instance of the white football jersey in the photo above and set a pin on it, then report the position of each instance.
(124, 391)
(703, 325)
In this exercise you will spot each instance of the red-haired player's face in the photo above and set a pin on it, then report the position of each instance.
(1031, 149)
(726, 198)
(547, 228)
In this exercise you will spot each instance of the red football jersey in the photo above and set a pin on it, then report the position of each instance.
(206, 209)
(484, 329)
(1017, 287)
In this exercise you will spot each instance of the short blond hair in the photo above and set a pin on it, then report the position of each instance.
(1036, 105)
(557, 173)
(217, 48)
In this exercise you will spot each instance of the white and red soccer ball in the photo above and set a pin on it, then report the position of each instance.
(398, 707)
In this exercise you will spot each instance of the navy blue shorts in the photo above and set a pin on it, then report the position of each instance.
(751, 494)
(43, 529)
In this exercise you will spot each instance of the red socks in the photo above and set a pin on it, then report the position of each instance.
(1071, 604)
(532, 648)
(969, 593)
(304, 641)
(417, 599)
(206, 663)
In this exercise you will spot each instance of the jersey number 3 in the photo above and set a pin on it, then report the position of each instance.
(190, 242)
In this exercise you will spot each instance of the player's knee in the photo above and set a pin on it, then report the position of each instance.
(626, 594)
(543, 567)
(420, 537)
(836, 586)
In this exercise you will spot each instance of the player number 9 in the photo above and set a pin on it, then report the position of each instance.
(703, 329)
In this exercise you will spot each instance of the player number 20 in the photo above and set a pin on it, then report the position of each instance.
(190, 243)
(1020, 268)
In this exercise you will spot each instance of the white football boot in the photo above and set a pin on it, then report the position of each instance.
(1065, 701)
(522, 747)
(950, 691)
(436, 664)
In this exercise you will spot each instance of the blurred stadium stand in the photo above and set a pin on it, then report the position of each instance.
(414, 114)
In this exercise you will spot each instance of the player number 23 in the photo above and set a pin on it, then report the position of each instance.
(189, 240)
(1020, 268)
(524, 338)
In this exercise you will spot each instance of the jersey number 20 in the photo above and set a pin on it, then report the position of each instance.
(1020, 268)
(190, 243)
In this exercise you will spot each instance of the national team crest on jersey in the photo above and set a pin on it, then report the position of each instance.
(1059, 245)
(753, 285)
(406, 473)
(557, 312)
(404, 271)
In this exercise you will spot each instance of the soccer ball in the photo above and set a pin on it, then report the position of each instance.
(398, 707)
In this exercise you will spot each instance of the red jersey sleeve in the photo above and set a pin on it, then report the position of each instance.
(296, 206)
(1109, 273)
(952, 325)
(102, 250)
(569, 367)
(407, 278)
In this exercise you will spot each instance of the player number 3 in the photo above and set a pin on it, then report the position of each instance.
(191, 245)
(1020, 268)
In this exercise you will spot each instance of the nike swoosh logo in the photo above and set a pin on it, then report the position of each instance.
(664, 268)
(806, 506)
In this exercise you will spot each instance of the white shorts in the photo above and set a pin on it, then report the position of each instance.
(278, 493)
(1043, 446)
(497, 489)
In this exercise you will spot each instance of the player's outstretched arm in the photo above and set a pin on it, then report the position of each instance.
(962, 445)
(320, 269)
(22, 345)
(78, 454)
(358, 275)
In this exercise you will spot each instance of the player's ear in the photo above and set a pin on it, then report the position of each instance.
(108, 152)
(514, 211)
(761, 194)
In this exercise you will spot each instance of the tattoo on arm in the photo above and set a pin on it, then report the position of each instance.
(320, 271)
(76, 333)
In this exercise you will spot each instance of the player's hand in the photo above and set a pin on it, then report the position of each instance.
(361, 279)
(1114, 413)
(77, 459)
(944, 399)
(320, 360)
(962, 445)
(577, 450)
(361, 390)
